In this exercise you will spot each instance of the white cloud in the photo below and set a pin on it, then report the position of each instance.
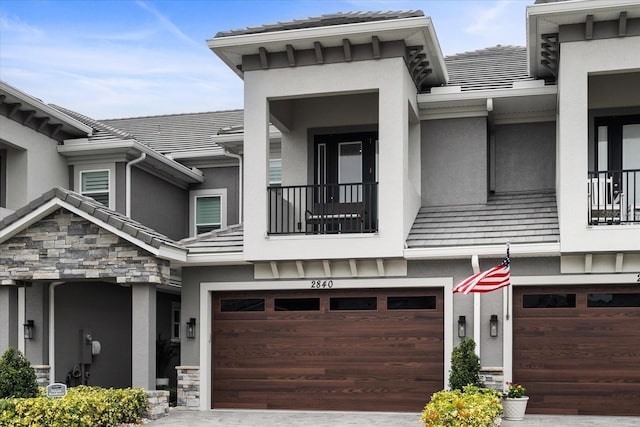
(166, 23)
(490, 19)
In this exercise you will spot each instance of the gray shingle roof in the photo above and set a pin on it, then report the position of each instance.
(492, 68)
(340, 18)
(516, 217)
(230, 239)
(97, 210)
(179, 132)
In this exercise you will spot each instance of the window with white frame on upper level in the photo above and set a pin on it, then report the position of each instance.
(95, 184)
(275, 172)
(208, 210)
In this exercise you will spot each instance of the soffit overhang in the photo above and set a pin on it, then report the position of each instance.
(123, 150)
(416, 31)
(546, 18)
(40, 114)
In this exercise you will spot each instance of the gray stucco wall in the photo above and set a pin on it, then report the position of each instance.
(105, 310)
(8, 317)
(490, 303)
(191, 279)
(37, 309)
(223, 177)
(163, 327)
(159, 205)
(525, 157)
(454, 161)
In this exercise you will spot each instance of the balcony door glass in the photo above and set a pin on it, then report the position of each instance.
(350, 171)
(631, 162)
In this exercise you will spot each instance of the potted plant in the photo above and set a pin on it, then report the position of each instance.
(165, 351)
(514, 402)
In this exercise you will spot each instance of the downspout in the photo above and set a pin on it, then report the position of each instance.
(240, 192)
(128, 182)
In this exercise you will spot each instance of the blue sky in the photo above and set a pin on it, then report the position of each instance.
(125, 58)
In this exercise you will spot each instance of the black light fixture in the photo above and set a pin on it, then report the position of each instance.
(191, 328)
(493, 325)
(28, 330)
(462, 327)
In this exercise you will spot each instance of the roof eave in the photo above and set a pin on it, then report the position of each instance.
(45, 109)
(72, 148)
(457, 252)
(231, 48)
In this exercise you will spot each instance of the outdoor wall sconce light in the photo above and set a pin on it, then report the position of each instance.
(28, 330)
(493, 325)
(462, 327)
(191, 328)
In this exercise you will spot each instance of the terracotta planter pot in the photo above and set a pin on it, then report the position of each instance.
(513, 408)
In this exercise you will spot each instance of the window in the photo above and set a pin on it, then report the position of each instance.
(549, 301)
(613, 300)
(353, 303)
(411, 303)
(275, 172)
(175, 321)
(244, 304)
(95, 184)
(296, 304)
(209, 210)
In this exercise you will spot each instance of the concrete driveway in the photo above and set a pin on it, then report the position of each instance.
(252, 418)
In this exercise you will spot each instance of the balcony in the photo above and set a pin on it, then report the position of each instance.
(613, 197)
(323, 209)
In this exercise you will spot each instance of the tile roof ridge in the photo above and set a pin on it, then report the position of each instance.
(211, 234)
(233, 110)
(502, 47)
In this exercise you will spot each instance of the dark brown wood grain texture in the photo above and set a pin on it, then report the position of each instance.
(582, 360)
(382, 360)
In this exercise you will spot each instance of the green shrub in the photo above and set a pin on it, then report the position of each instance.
(83, 406)
(465, 366)
(17, 377)
(473, 407)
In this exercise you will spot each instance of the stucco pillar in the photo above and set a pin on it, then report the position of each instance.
(143, 336)
(37, 309)
(8, 317)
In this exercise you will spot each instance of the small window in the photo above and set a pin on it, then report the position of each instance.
(411, 303)
(275, 172)
(95, 184)
(175, 321)
(354, 303)
(549, 300)
(613, 300)
(297, 304)
(245, 304)
(208, 213)
(208, 210)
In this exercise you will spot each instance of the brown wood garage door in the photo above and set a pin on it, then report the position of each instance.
(369, 350)
(577, 349)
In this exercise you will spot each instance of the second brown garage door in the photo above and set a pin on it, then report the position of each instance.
(577, 349)
(371, 350)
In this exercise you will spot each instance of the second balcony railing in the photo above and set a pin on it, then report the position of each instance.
(323, 209)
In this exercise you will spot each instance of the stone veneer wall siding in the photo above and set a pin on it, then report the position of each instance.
(188, 387)
(42, 374)
(157, 404)
(66, 246)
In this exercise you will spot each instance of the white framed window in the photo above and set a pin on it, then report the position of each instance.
(175, 321)
(208, 210)
(95, 184)
(275, 172)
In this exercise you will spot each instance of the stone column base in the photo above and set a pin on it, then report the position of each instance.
(43, 373)
(157, 404)
(188, 387)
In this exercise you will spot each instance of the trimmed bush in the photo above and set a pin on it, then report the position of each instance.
(17, 377)
(83, 406)
(465, 366)
(473, 407)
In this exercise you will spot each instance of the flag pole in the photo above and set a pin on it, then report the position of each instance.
(508, 287)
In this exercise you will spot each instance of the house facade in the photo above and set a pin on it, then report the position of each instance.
(304, 250)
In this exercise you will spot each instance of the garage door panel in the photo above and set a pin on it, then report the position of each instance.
(582, 360)
(322, 359)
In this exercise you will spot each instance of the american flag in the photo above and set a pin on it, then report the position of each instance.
(487, 281)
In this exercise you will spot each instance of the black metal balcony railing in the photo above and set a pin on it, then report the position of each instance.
(614, 197)
(323, 209)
